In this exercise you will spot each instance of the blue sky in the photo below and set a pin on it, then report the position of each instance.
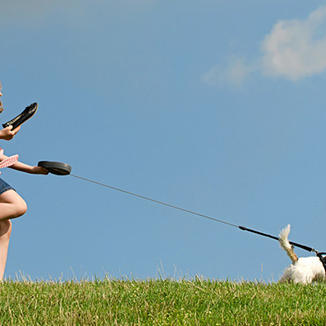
(217, 106)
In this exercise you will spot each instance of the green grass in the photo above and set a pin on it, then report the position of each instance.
(161, 302)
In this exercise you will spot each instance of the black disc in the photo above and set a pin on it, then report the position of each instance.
(21, 118)
(57, 168)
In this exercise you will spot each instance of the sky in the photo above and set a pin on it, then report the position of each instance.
(216, 106)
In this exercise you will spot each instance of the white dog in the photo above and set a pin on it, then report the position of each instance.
(302, 270)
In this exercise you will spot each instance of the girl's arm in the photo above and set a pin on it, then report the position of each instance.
(8, 134)
(19, 166)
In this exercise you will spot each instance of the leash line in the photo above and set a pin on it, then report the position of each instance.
(242, 228)
(154, 200)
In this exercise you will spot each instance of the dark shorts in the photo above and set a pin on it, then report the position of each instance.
(4, 186)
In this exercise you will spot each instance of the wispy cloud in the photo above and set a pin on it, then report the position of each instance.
(294, 49)
(235, 72)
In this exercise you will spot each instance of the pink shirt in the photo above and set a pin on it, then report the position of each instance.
(9, 161)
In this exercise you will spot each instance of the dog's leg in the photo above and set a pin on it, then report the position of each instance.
(285, 244)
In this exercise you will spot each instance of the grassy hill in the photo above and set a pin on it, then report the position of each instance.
(161, 302)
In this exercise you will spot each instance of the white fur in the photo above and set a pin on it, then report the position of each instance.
(284, 234)
(306, 269)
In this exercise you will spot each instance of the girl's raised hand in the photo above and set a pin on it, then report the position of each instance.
(7, 133)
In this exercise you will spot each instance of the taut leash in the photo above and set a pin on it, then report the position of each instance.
(214, 219)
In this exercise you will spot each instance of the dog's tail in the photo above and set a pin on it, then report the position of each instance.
(285, 244)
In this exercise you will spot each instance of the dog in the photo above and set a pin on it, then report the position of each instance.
(304, 270)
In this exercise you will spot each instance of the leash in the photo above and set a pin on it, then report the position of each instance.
(295, 244)
(214, 219)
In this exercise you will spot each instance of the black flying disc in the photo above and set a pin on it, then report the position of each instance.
(21, 118)
(57, 168)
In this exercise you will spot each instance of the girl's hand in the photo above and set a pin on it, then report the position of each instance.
(39, 170)
(7, 133)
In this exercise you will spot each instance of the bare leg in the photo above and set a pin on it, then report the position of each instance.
(5, 231)
(11, 206)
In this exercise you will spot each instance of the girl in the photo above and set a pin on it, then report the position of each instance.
(11, 204)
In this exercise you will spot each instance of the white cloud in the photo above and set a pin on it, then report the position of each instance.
(297, 48)
(294, 49)
(234, 73)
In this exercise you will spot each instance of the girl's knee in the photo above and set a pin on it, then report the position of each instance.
(17, 205)
(21, 208)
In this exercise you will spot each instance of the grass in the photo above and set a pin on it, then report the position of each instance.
(160, 302)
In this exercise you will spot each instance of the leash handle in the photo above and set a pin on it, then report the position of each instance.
(243, 228)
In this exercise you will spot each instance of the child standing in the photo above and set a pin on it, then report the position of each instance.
(12, 205)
